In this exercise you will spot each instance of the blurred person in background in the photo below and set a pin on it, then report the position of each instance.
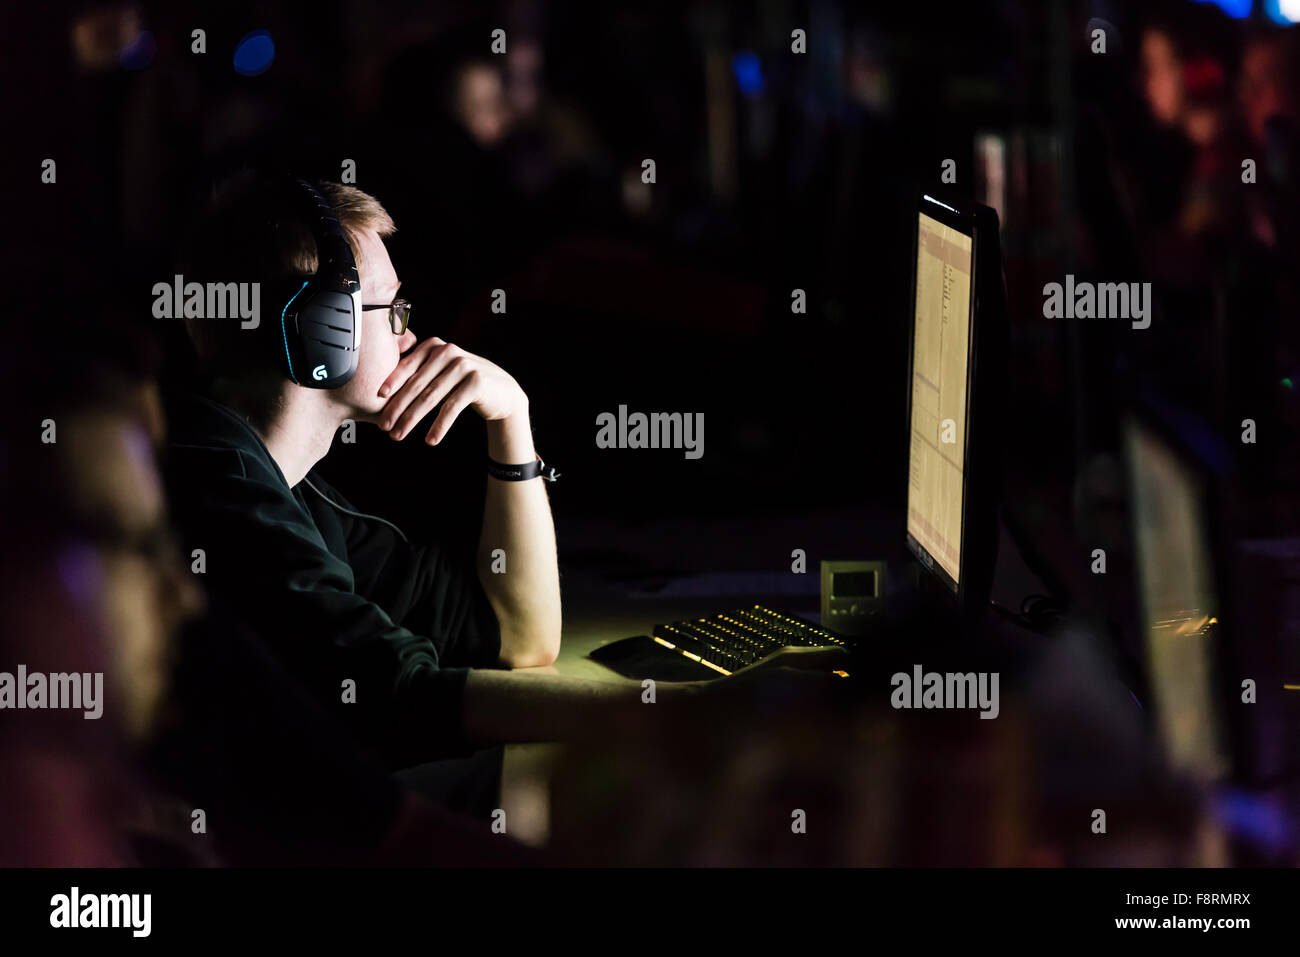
(93, 585)
(1162, 76)
(448, 167)
(1213, 195)
(1266, 87)
(1187, 244)
(1268, 91)
(478, 101)
(1184, 81)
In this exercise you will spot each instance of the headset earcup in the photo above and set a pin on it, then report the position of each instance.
(326, 340)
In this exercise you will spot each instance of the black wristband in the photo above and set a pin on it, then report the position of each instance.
(521, 473)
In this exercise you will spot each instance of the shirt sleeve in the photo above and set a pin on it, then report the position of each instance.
(426, 587)
(266, 560)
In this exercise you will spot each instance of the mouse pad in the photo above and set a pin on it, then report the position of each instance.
(642, 657)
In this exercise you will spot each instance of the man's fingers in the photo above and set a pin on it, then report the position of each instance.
(427, 351)
(453, 405)
(433, 365)
(433, 393)
(405, 366)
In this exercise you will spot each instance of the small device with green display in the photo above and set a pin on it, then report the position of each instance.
(852, 594)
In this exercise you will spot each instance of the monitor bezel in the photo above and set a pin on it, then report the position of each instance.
(987, 329)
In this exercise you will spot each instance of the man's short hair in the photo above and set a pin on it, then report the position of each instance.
(255, 230)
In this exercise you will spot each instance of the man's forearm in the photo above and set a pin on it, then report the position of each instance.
(505, 707)
(523, 584)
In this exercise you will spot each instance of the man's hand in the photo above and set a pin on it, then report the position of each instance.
(437, 371)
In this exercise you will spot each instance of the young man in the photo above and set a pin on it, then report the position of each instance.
(406, 642)
(94, 586)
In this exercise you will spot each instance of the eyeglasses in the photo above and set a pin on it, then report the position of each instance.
(399, 314)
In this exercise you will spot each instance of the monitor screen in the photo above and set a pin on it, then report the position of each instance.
(1178, 600)
(940, 350)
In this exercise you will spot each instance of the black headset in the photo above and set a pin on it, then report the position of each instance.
(320, 320)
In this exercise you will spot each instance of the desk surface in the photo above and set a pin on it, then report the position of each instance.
(593, 619)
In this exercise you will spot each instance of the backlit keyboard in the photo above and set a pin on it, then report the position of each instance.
(729, 641)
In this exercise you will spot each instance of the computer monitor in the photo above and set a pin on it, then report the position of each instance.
(1180, 605)
(957, 367)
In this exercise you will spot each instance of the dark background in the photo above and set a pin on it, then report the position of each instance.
(775, 171)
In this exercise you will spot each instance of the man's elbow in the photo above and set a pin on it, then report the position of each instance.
(531, 649)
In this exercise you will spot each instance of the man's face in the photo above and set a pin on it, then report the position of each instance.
(380, 349)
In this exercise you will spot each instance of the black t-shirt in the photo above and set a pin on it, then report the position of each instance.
(279, 782)
(339, 596)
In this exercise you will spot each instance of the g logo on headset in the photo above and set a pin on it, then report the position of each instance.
(320, 323)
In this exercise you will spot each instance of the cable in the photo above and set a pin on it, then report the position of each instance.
(1036, 612)
(349, 511)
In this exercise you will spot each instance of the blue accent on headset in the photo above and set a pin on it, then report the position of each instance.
(284, 333)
